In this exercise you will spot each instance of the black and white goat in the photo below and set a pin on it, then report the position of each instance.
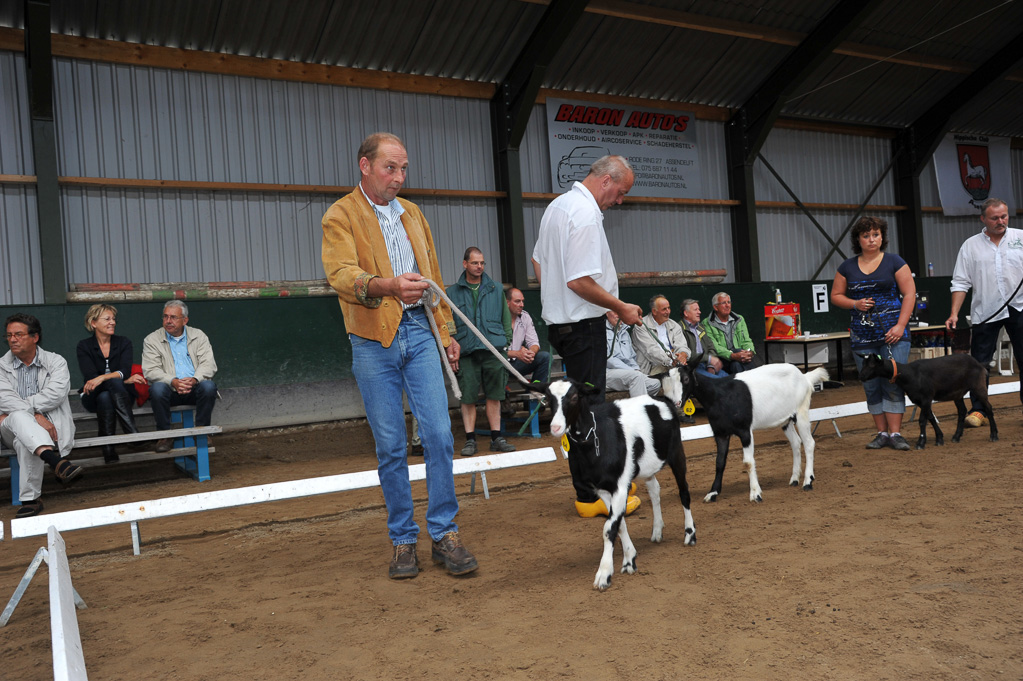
(940, 378)
(766, 397)
(616, 442)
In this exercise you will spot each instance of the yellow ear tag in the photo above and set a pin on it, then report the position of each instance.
(689, 408)
(564, 443)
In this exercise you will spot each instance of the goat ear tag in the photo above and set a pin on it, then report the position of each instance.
(689, 408)
(564, 443)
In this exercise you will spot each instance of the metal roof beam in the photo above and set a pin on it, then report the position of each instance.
(763, 107)
(931, 126)
(510, 110)
(746, 132)
(622, 9)
(39, 64)
(517, 93)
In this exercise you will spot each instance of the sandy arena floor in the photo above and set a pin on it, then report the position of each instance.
(896, 566)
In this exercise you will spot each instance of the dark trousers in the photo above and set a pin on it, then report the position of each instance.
(736, 367)
(583, 349)
(101, 400)
(539, 367)
(162, 397)
(984, 338)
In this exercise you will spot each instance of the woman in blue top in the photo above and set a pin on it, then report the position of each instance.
(869, 286)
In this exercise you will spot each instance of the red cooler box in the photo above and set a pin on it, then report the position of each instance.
(781, 321)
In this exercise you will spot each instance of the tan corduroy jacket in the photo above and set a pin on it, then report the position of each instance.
(354, 252)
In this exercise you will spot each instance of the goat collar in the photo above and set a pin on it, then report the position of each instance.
(578, 437)
(895, 370)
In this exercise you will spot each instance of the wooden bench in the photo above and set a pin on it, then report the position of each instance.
(190, 451)
(526, 412)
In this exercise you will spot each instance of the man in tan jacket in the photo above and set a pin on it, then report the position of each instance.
(178, 362)
(377, 253)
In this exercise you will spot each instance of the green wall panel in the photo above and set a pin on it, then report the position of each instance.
(276, 341)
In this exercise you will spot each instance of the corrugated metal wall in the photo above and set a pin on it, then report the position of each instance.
(20, 272)
(143, 123)
(819, 168)
(128, 122)
(646, 237)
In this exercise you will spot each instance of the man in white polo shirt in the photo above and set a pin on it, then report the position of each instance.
(991, 264)
(579, 283)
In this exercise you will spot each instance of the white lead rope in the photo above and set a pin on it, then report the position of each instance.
(431, 299)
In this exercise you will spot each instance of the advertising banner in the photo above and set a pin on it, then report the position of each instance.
(660, 144)
(970, 169)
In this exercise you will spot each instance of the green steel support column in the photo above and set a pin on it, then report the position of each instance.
(745, 240)
(510, 110)
(511, 226)
(749, 127)
(912, 247)
(39, 62)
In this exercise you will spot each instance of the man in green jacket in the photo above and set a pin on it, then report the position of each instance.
(727, 332)
(482, 301)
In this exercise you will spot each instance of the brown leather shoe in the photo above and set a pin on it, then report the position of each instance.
(164, 445)
(405, 564)
(456, 558)
(67, 472)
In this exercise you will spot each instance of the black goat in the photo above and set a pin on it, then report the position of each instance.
(613, 443)
(941, 378)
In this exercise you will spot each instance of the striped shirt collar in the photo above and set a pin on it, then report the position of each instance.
(399, 248)
(391, 211)
(34, 363)
(28, 375)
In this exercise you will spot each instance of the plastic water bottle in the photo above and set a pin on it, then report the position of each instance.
(930, 269)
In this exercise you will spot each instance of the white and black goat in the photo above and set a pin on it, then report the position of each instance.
(766, 397)
(614, 443)
(940, 378)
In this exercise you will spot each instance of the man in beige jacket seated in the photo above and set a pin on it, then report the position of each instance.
(178, 362)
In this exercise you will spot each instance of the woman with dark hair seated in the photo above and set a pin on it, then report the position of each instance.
(105, 362)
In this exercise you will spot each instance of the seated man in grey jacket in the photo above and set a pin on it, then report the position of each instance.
(659, 340)
(178, 362)
(622, 370)
(35, 417)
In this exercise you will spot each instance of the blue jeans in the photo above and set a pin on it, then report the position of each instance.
(884, 397)
(411, 364)
(702, 370)
(539, 367)
(162, 396)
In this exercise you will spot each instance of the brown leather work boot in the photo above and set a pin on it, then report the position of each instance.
(456, 558)
(405, 564)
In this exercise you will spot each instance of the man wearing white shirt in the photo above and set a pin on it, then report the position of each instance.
(579, 283)
(991, 264)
